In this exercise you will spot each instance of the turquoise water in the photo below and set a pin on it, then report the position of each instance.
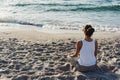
(62, 14)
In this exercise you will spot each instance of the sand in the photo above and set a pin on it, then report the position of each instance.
(31, 54)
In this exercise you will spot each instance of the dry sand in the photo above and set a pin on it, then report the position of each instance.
(30, 54)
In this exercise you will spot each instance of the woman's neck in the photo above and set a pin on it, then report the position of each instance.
(88, 38)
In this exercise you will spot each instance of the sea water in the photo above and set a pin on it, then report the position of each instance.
(104, 15)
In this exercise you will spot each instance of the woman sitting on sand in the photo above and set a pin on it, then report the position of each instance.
(86, 51)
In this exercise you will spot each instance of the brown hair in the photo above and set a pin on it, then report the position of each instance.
(89, 30)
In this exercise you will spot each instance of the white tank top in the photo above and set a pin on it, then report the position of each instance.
(87, 57)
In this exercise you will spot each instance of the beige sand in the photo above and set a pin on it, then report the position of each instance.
(32, 54)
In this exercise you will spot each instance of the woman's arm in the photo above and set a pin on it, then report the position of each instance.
(78, 47)
(96, 48)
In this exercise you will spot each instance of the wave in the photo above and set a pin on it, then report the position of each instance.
(28, 23)
(51, 4)
(74, 7)
(97, 8)
(20, 22)
(59, 26)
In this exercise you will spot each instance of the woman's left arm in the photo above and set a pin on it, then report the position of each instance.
(78, 47)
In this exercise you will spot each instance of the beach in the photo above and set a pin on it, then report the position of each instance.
(30, 54)
(36, 37)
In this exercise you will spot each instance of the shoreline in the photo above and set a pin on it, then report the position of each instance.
(36, 34)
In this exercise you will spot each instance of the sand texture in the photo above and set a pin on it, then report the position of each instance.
(23, 58)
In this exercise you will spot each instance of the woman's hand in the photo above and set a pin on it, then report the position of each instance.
(73, 55)
(78, 47)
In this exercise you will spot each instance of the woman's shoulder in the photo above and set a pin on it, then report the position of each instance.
(95, 41)
(79, 42)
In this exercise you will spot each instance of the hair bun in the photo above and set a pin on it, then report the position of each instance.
(89, 30)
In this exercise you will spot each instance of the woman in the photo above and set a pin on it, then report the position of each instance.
(86, 51)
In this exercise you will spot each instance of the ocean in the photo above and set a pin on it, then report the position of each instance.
(104, 15)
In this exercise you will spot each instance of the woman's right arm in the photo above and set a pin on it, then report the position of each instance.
(96, 48)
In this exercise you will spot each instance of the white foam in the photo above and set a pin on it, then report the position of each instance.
(63, 28)
(98, 28)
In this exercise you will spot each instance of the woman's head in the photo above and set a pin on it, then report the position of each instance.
(88, 30)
